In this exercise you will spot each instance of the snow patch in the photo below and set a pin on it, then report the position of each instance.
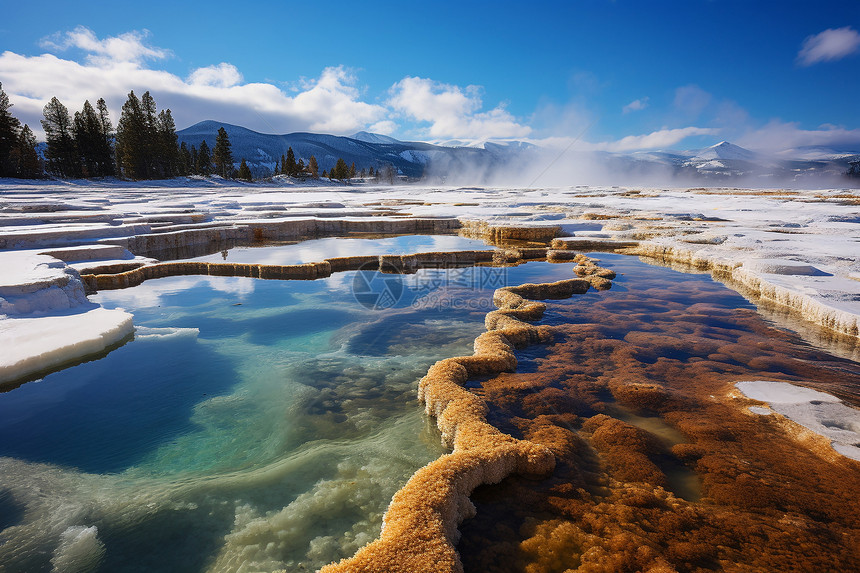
(817, 411)
(781, 267)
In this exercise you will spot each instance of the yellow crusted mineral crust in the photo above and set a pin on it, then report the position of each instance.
(419, 530)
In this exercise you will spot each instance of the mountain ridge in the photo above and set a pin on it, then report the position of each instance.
(723, 161)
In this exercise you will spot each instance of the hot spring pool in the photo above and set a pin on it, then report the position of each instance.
(256, 425)
(264, 423)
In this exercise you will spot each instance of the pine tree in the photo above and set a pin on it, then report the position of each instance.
(370, 171)
(283, 164)
(104, 149)
(204, 160)
(340, 169)
(26, 161)
(59, 133)
(324, 174)
(168, 149)
(314, 167)
(352, 170)
(223, 155)
(153, 167)
(245, 171)
(291, 168)
(88, 137)
(301, 168)
(184, 160)
(131, 140)
(9, 134)
(277, 168)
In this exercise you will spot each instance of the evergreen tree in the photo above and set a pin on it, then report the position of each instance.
(88, 137)
(9, 135)
(340, 169)
(59, 133)
(168, 156)
(314, 167)
(363, 173)
(245, 171)
(370, 171)
(352, 170)
(223, 155)
(283, 165)
(301, 168)
(184, 160)
(104, 149)
(324, 174)
(204, 160)
(131, 140)
(291, 168)
(277, 168)
(193, 165)
(151, 141)
(25, 160)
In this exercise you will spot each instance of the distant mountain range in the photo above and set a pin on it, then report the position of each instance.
(721, 162)
(413, 159)
(726, 161)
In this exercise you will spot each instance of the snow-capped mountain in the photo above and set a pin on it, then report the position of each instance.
(722, 162)
(725, 150)
(373, 138)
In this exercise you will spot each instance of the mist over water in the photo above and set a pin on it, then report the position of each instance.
(563, 167)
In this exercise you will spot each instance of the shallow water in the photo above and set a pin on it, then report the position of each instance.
(250, 424)
(635, 397)
(257, 425)
(330, 247)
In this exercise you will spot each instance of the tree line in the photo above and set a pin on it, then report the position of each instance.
(18, 156)
(143, 146)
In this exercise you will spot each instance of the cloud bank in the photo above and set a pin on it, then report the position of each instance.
(80, 66)
(114, 66)
(331, 103)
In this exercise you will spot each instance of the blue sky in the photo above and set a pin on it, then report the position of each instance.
(626, 75)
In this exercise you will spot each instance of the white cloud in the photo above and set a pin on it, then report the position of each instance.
(451, 111)
(114, 66)
(383, 127)
(223, 75)
(635, 105)
(831, 44)
(128, 47)
(654, 140)
(778, 136)
(333, 103)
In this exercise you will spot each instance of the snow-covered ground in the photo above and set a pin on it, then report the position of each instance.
(798, 248)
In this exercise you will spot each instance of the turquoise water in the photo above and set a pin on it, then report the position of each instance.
(250, 425)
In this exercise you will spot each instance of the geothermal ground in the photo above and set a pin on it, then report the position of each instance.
(658, 425)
